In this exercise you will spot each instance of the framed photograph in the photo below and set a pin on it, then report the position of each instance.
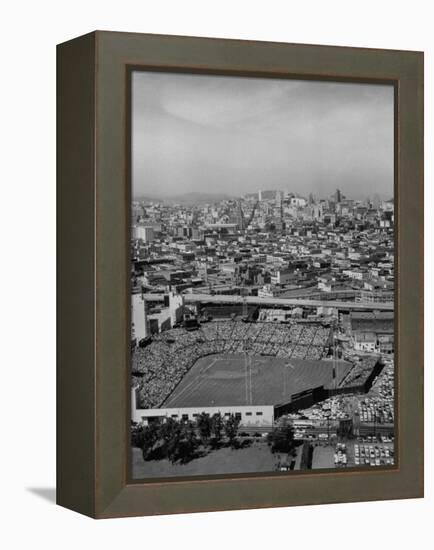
(240, 274)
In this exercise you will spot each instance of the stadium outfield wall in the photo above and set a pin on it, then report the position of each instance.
(308, 398)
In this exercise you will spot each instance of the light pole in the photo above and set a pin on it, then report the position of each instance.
(375, 422)
(327, 415)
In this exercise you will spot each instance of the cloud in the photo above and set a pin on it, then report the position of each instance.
(237, 135)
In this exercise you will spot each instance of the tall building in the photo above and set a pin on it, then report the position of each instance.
(176, 307)
(144, 232)
(279, 198)
(239, 216)
(139, 317)
(317, 211)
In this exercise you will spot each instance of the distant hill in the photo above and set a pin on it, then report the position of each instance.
(194, 197)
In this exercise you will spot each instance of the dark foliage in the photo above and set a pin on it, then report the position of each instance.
(182, 441)
(205, 427)
(306, 456)
(281, 439)
(231, 428)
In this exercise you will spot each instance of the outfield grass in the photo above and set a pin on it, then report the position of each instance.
(230, 380)
(257, 458)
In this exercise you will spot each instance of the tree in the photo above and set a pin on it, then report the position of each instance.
(217, 428)
(169, 430)
(137, 436)
(183, 444)
(171, 439)
(281, 438)
(170, 433)
(145, 437)
(204, 424)
(231, 428)
(306, 456)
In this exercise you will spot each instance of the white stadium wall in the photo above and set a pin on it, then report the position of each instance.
(251, 416)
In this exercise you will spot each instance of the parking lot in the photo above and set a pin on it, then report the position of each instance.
(362, 452)
(378, 452)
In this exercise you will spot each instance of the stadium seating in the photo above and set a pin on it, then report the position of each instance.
(162, 364)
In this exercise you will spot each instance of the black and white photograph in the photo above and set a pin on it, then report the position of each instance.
(262, 275)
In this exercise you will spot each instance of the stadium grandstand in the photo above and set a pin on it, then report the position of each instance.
(159, 367)
(257, 371)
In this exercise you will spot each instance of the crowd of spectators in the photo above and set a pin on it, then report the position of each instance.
(361, 371)
(159, 367)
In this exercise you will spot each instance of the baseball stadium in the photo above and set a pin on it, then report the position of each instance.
(257, 370)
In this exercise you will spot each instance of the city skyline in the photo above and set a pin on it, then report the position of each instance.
(236, 135)
(219, 197)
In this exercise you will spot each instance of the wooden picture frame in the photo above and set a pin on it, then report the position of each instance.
(93, 252)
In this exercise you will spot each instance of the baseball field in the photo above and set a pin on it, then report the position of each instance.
(227, 380)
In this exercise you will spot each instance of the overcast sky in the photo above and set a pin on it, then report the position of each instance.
(236, 135)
